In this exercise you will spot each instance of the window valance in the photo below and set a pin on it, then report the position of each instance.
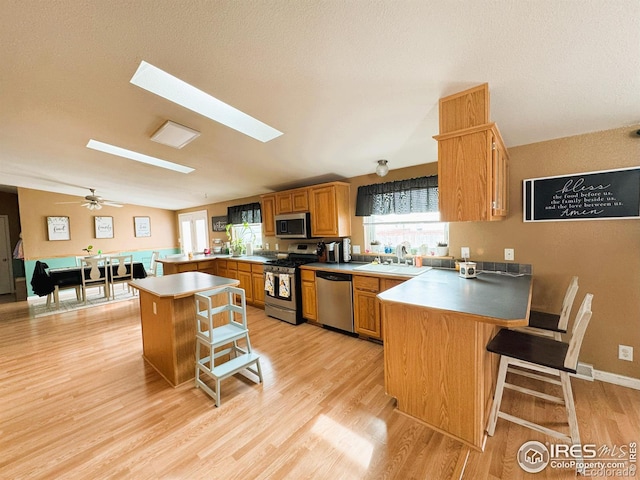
(249, 212)
(414, 195)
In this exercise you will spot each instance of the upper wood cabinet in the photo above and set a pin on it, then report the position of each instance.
(472, 160)
(466, 109)
(328, 204)
(330, 212)
(292, 201)
(268, 210)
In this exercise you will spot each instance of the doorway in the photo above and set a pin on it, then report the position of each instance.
(6, 259)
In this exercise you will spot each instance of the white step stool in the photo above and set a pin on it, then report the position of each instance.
(225, 336)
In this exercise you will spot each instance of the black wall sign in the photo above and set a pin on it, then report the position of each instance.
(600, 195)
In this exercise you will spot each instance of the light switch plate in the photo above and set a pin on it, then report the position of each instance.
(464, 252)
(356, 249)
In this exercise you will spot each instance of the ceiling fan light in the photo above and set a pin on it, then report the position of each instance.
(382, 169)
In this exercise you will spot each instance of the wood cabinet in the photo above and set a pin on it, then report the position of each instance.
(330, 211)
(309, 303)
(257, 283)
(366, 306)
(221, 268)
(472, 160)
(268, 210)
(250, 276)
(292, 201)
(170, 267)
(246, 282)
(366, 311)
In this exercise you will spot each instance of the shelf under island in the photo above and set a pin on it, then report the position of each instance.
(436, 327)
(167, 314)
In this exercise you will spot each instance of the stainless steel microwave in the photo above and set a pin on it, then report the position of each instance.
(293, 225)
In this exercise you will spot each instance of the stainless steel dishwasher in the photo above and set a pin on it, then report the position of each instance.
(335, 300)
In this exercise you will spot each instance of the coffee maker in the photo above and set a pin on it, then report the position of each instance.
(334, 254)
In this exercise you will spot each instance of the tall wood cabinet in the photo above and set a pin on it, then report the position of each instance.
(330, 212)
(268, 210)
(472, 160)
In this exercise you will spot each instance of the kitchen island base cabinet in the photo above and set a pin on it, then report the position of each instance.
(169, 346)
(167, 316)
(437, 368)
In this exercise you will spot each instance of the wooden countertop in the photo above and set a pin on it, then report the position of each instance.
(181, 284)
(498, 299)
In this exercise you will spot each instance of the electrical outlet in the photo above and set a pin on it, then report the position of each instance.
(625, 352)
(509, 254)
(464, 252)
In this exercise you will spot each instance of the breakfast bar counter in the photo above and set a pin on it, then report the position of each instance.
(436, 327)
(167, 314)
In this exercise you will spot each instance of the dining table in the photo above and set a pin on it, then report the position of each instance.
(71, 277)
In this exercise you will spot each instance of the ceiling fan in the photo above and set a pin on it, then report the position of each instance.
(95, 202)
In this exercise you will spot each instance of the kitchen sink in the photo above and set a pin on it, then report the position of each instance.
(394, 269)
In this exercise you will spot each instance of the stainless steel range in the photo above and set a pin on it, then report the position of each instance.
(282, 285)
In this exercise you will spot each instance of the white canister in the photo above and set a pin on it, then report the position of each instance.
(468, 270)
(249, 248)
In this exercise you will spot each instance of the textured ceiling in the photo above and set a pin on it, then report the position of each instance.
(348, 82)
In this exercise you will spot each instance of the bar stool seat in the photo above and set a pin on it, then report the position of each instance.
(554, 324)
(548, 358)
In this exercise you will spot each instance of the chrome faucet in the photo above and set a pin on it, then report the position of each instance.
(401, 252)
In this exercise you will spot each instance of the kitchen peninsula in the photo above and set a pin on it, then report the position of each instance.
(436, 327)
(167, 313)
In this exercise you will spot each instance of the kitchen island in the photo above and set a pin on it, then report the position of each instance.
(167, 314)
(436, 327)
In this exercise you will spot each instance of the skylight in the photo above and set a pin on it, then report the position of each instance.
(167, 86)
(138, 157)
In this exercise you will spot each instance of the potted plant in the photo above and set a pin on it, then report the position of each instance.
(442, 250)
(242, 238)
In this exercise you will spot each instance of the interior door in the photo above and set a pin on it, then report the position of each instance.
(6, 268)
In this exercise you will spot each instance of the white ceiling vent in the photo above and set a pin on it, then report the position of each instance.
(174, 135)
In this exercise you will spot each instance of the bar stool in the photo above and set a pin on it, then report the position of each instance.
(554, 358)
(552, 324)
(234, 358)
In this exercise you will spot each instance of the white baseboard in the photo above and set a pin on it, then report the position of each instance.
(617, 379)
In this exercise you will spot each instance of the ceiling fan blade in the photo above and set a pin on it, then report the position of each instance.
(111, 204)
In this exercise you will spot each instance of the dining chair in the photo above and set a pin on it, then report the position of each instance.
(119, 273)
(153, 265)
(549, 359)
(94, 276)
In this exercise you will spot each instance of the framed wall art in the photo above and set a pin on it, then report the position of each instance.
(142, 226)
(104, 227)
(58, 228)
(599, 195)
(219, 224)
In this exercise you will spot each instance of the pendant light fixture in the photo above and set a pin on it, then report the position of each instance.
(382, 169)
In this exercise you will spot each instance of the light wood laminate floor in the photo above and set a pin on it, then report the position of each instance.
(78, 401)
